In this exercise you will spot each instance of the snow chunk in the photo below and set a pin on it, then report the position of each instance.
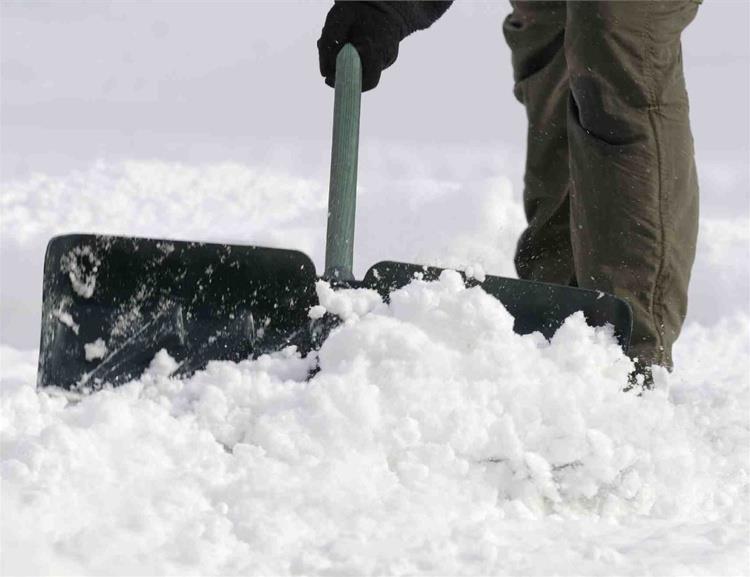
(348, 304)
(476, 271)
(67, 319)
(95, 350)
(81, 265)
(317, 312)
(162, 365)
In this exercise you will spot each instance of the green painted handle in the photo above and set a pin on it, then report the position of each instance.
(342, 192)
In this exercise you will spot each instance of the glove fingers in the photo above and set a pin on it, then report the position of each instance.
(370, 69)
(367, 56)
(372, 33)
(375, 58)
(335, 32)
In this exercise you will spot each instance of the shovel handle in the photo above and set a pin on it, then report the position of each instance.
(342, 192)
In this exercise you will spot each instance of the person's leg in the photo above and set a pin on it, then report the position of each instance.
(535, 32)
(634, 195)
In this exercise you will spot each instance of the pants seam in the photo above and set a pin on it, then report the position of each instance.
(656, 303)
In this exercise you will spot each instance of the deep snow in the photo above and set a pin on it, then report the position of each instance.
(433, 440)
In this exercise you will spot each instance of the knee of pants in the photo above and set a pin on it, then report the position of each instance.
(607, 84)
(603, 113)
(623, 59)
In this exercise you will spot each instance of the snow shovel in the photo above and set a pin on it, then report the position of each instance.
(110, 303)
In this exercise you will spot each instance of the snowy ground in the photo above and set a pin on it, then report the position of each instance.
(433, 440)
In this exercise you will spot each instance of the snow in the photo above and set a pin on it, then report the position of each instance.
(67, 319)
(81, 265)
(347, 304)
(95, 350)
(476, 271)
(431, 439)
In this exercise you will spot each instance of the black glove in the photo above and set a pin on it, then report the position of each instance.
(375, 33)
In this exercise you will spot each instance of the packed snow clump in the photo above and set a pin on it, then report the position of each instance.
(95, 350)
(431, 439)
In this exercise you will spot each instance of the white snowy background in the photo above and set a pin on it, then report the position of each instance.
(433, 440)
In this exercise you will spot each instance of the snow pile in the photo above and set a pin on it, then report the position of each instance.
(433, 439)
(168, 199)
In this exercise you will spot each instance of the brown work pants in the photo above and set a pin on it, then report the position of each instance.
(610, 190)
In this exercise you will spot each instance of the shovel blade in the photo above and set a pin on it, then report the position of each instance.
(110, 303)
(535, 306)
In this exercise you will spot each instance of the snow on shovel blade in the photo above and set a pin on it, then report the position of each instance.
(535, 306)
(110, 303)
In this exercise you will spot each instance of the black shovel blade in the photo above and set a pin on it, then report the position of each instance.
(110, 303)
(535, 306)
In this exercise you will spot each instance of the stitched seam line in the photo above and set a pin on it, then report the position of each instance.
(657, 289)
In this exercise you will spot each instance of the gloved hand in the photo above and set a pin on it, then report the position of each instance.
(375, 33)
